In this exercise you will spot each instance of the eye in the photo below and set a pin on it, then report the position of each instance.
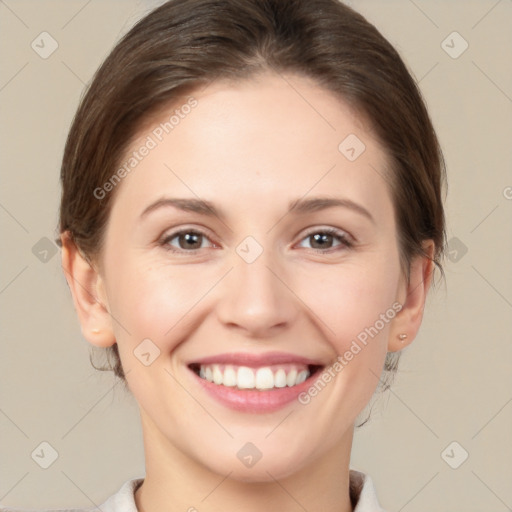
(188, 240)
(323, 240)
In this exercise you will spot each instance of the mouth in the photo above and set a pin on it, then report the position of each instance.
(254, 383)
(259, 378)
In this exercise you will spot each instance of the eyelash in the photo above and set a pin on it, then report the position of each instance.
(341, 236)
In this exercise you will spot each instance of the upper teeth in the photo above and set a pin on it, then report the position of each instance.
(250, 378)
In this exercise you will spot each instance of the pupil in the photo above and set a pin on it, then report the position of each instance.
(321, 238)
(190, 238)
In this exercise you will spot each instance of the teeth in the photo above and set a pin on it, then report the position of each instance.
(217, 375)
(302, 377)
(263, 378)
(280, 378)
(245, 378)
(291, 378)
(229, 378)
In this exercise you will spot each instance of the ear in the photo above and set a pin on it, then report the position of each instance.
(412, 296)
(88, 293)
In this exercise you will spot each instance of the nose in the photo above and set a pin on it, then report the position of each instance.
(256, 298)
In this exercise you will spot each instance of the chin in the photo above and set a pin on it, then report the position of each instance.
(267, 469)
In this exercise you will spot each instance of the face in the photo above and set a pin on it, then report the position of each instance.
(282, 270)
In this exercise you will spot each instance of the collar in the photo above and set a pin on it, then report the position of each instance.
(362, 495)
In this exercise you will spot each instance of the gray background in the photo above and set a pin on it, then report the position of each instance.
(455, 380)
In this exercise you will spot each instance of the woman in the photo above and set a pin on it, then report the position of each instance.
(251, 215)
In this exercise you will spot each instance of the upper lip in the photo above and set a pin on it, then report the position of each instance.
(257, 360)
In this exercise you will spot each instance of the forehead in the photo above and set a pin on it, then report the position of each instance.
(272, 138)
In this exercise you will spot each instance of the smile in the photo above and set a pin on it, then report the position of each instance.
(254, 383)
(262, 378)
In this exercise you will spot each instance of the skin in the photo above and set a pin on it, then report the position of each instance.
(250, 148)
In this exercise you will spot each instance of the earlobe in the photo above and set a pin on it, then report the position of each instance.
(88, 294)
(412, 296)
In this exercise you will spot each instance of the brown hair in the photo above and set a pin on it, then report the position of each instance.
(185, 44)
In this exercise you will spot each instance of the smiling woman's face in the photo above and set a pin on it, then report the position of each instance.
(254, 279)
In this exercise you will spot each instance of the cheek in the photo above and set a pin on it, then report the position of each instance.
(154, 301)
(354, 303)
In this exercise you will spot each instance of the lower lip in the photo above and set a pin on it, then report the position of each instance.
(255, 401)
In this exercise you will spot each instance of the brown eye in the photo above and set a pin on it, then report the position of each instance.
(187, 240)
(326, 239)
(321, 240)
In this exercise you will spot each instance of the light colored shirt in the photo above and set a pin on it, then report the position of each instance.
(361, 488)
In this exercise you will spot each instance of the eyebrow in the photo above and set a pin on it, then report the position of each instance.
(298, 206)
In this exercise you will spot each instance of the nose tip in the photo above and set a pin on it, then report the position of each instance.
(255, 299)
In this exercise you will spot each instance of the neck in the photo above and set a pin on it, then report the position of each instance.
(176, 482)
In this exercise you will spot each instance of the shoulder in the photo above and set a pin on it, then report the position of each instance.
(122, 501)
